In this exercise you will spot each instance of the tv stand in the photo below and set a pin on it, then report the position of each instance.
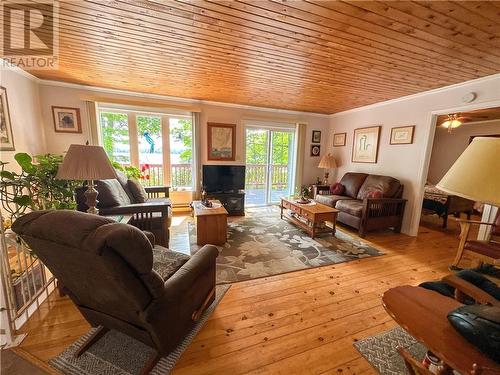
(234, 203)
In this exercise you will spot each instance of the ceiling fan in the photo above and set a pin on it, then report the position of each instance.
(454, 120)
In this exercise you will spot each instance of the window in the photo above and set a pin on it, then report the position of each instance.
(159, 144)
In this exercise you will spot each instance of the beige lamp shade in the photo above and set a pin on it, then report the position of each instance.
(476, 173)
(83, 162)
(327, 162)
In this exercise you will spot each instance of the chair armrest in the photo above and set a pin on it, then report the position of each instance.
(156, 190)
(195, 267)
(463, 286)
(155, 206)
(381, 207)
(474, 222)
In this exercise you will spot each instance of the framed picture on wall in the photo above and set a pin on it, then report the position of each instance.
(66, 120)
(221, 141)
(315, 150)
(316, 136)
(6, 136)
(365, 145)
(339, 139)
(402, 135)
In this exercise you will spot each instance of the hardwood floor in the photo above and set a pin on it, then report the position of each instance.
(298, 323)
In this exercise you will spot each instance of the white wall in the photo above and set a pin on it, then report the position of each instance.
(447, 146)
(408, 163)
(24, 107)
(75, 97)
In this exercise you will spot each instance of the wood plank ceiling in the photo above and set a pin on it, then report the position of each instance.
(316, 56)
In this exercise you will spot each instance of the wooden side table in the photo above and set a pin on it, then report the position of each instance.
(423, 313)
(211, 224)
(315, 189)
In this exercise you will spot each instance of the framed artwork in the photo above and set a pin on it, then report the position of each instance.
(6, 136)
(339, 139)
(316, 137)
(66, 120)
(365, 145)
(221, 141)
(402, 135)
(315, 150)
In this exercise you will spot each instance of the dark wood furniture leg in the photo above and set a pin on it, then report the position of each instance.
(101, 331)
(197, 313)
(151, 363)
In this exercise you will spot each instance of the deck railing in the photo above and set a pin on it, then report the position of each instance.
(181, 175)
(256, 176)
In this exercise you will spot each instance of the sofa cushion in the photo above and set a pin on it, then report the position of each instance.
(351, 206)
(337, 189)
(329, 200)
(167, 262)
(389, 186)
(374, 194)
(111, 194)
(123, 180)
(352, 183)
(138, 192)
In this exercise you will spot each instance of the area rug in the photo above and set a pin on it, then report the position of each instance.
(261, 244)
(118, 354)
(380, 350)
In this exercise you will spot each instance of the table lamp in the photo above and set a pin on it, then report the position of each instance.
(327, 162)
(476, 173)
(84, 162)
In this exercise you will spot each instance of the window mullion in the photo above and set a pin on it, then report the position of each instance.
(165, 127)
(133, 138)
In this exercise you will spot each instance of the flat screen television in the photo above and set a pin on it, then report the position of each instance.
(223, 178)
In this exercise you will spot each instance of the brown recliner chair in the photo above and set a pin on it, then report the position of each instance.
(119, 280)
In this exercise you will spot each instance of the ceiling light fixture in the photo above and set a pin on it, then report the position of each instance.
(452, 122)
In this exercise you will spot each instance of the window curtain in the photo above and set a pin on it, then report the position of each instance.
(93, 123)
(196, 155)
(300, 138)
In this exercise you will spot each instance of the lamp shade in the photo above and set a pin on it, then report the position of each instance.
(83, 162)
(476, 173)
(327, 162)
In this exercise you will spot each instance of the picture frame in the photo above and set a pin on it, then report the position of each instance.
(315, 150)
(221, 141)
(316, 136)
(66, 120)
(365, 145)
(6, 135)
(339, 139)
(402, 135)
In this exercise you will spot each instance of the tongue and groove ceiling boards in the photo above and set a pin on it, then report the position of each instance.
(315, 56)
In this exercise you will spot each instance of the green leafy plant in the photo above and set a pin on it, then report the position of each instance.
(36, 187)
(129, 170)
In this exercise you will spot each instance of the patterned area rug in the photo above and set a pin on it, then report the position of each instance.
(118, 354)
(261, 244)
(380, 350)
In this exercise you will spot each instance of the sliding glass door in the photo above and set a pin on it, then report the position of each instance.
(269, 164)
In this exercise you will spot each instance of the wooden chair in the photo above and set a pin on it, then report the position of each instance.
(480, 251)
(414, 367)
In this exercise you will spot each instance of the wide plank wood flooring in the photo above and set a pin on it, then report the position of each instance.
(298, 323)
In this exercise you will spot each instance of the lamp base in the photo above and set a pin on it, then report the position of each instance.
(91, 199)
(325, 181)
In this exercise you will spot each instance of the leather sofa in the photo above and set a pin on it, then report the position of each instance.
(119, 279)
(150, 206)
(359, 210)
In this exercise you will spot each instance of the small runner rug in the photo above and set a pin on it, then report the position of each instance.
(381, 350)
(118, 354)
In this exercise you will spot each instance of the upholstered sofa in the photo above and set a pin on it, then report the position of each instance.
(150, 207)
(366, 202)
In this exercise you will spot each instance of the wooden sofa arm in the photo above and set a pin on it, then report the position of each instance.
(380, 207)
(155, 191)
(137, 208)
(464, 287)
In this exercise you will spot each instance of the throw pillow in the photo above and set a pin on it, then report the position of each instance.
(111, 194)
(374, 194)
(137, 190)
(337, 189)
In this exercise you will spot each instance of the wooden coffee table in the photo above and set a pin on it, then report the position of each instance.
(310, 218)
(211, 224)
